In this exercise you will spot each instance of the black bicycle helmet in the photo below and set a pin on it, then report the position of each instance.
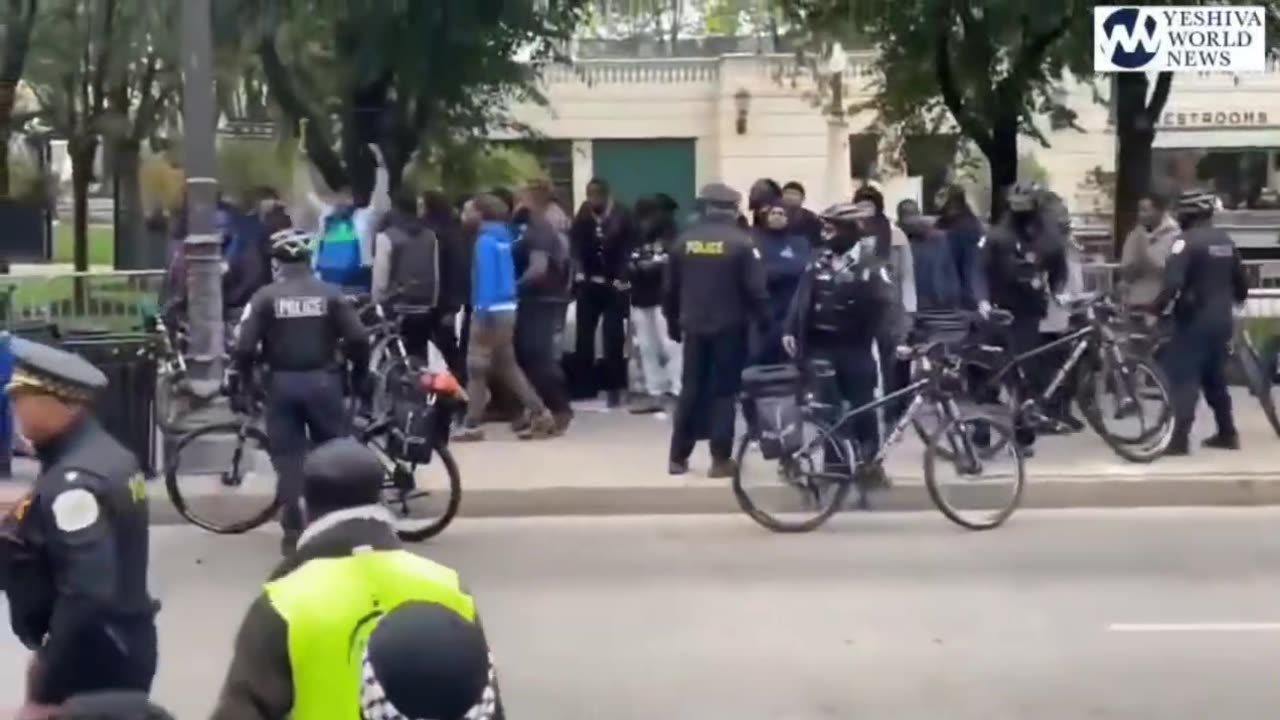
(1022, 197)
(291, 245)
(1196, 203)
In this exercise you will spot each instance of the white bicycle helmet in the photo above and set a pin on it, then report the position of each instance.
(291, 245)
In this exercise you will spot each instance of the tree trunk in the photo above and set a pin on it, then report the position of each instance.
(1002, 157)
(133, 251)
(4, 161)
(1135, 134)
(81, 153)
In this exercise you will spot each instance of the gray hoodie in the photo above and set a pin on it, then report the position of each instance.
(1143, 259)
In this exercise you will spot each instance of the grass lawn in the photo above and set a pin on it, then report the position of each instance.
(101, 243)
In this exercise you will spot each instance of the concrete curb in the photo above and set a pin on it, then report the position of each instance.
(717, 498)
(704, 497)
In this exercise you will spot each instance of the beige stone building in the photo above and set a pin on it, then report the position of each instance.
(671, 124)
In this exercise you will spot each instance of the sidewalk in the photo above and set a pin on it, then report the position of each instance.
(613, 463)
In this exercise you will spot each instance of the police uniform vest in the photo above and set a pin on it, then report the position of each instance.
(414, 272)
(842, 297)
(330, 607)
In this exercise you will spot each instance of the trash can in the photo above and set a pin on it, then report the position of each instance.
(125, 408)
(6, 420)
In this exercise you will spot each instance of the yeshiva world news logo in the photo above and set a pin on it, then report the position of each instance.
(1134, 38)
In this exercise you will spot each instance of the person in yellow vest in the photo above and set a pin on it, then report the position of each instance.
(354, 626)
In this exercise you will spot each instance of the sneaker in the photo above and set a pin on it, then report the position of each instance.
(468, 434)
(541, 427)
(563, 420)
(722, 469)
(1222, 441)
(520, 424)
(613, 399)
(647, 405)
(677, 467)
(871, 477)
(1178, 448)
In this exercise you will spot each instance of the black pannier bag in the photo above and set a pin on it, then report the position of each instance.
(775, 390)
(420, 419)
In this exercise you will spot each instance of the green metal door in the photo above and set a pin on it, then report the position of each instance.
(635, 168)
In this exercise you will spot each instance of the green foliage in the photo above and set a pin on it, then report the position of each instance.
(244, 165)
(398, 73)
(465, 168)
(27, 184)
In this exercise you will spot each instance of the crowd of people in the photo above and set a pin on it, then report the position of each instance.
(489, 280)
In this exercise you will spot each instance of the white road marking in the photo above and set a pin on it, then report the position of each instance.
(1194, 627)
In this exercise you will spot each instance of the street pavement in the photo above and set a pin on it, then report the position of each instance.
(614, 463)
(1167, 614)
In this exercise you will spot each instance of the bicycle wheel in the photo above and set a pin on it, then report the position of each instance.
(1130, 408)
(423, 499)
(219, 478)
(803, 485)
(993, 398)
(1269, 396)
(988, 486)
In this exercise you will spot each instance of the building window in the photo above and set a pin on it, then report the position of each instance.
(930, 158)
(1241, 177)
(864, 156)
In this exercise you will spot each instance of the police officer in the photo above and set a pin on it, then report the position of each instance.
(843, 300)
(715, 286)
(1026, 263)
(73, 553)
(1204, 278)
(300, 323)
(353, 624)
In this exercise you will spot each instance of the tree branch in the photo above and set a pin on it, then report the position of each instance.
(148, 107)
(951, 95)
(319, 146)
(1159, 96)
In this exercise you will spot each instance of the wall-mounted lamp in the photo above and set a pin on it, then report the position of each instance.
(742, 102)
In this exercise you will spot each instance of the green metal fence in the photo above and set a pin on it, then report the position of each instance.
(112, 301)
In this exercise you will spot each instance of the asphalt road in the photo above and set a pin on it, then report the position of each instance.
(1163, 614)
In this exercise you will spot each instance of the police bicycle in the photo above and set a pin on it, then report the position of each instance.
(219, 475)
(1123, 395)
(813, 465)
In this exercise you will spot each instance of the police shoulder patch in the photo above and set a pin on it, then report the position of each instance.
(1178, 246)
(75, 509)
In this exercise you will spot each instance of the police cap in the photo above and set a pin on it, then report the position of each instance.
(46, 370)
(423, 660)
(342, 474)
(719, 195)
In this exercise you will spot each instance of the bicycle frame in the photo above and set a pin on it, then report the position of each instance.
(918, 390)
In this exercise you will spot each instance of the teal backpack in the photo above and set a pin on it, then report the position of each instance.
(338, 257)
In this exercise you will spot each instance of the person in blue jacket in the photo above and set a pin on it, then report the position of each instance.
(785, 253)
(491, 348)
(938, 287)
(965, 232)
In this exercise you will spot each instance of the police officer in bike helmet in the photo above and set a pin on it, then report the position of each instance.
(842, 300)
(1204, 279)
(302, 328)
(1026, 264)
